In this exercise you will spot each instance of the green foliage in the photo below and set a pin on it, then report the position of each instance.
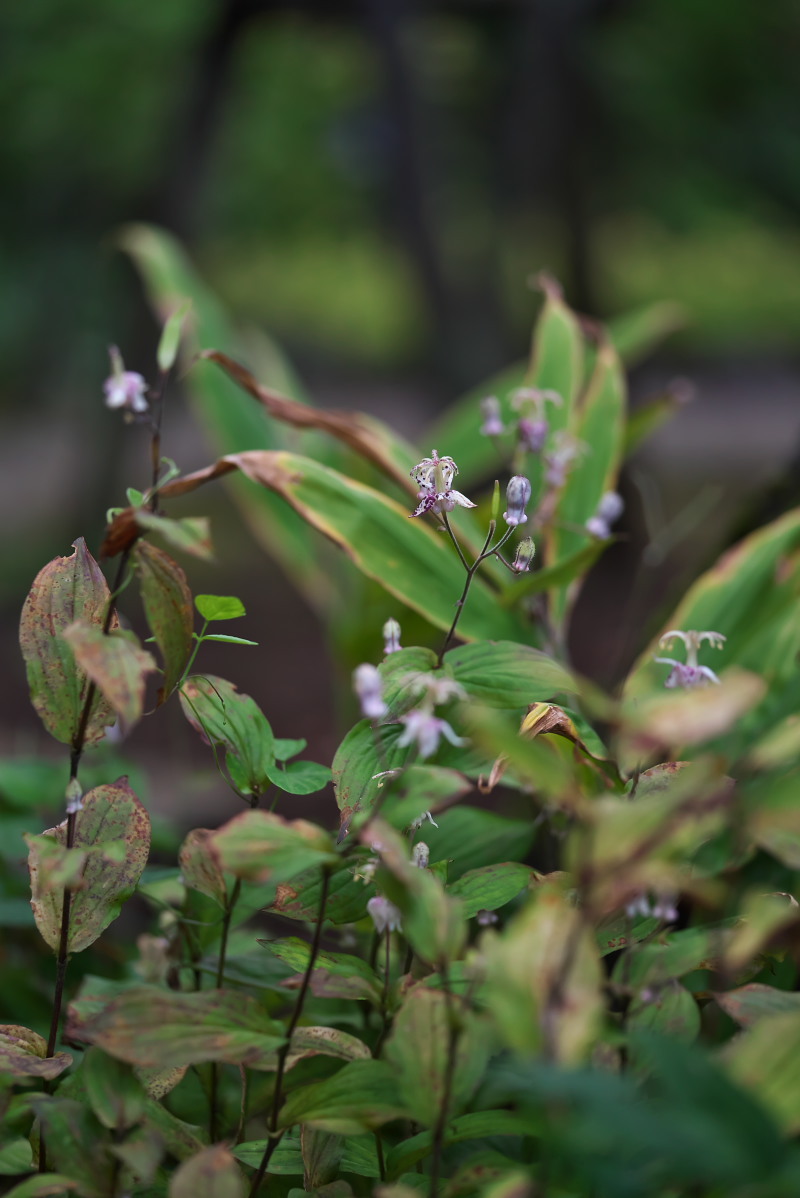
(529, 957)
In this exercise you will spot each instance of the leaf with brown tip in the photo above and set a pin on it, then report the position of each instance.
(116, 664)
(168, 606)
(23, 1053)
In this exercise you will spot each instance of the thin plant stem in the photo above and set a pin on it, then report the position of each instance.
(379, 1151)
(273, 1136)
(455, 541)
(453, 1032)
(387, 979)
(471, 571)
(157, 409)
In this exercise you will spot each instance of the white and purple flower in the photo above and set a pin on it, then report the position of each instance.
(689, 674)
(368, 685)
(434, 477)
(492, 421)
(124, 388)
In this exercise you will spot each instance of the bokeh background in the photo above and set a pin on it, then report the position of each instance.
(375, 184)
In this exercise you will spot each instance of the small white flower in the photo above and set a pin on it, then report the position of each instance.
(124, 388)
(434, 476)
(368, 685)
(689, 674)
(425, 730)
(384, 914)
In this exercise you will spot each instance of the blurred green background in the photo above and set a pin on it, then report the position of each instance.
(374, 184)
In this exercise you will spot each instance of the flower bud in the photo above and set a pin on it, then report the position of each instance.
(384, 914)
(391, 637)
(518, 492)
(532, 434)
(420, 855)
(492, 423)
(125, 388)
(368, 685)
(524, 556)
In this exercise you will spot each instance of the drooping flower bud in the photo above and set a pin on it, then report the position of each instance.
(420, 855)
(518, 493)
(492, 423)
(524, 556)
(391, 637)
(368, 685)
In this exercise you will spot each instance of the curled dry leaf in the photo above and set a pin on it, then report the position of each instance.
(23, 1053)
(65, 590)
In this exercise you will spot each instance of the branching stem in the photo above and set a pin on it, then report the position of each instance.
(273, 1136)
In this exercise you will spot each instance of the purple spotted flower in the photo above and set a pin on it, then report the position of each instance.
(434, 477)
(690, 673)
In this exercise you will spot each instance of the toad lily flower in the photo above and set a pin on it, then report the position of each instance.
(609, 509)
(125, 388)
(422, 727)
(689, 674)
(434, 476)
(368, 685)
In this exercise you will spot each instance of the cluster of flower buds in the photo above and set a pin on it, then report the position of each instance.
(609, 509)
(124, 389)
(689, 674)
(434, 477)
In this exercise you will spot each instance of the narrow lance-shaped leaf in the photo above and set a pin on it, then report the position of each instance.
(116, 664)
(167, 604)
(113, 829)
(67, 589)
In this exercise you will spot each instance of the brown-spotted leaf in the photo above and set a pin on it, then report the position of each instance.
(260, 846)
(168, 606)
(67, 589)
(113, 829)
(200, 868)
(116, 664)
(23, 1053)
(213, 1173)
(150, 1027)
(56, 866)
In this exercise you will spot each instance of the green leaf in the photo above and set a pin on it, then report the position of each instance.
(286, 748)
(360, 1097)
(135, 498)
(300, 777)
(23, 1053)
(504, 674)
(750, 597)
(260, 846)
(406, 557)
(231, 419)
(335, 975)
(189, 535)
(299, 899)
(213, 1173)
(286, 1158)
(671, 1011)
(224, 717)
(598, 422)
(67, 589)
(748, 1004)
(227, 640)
(490, 887)
(476, 1125)
(148, 1026)
(676, 954)
(418, 1049)
(363, 754)
(116, 664)
(167, 604)
(219, 607)
(170, 339)
(199, 867)
(42, 1186)
(419, 790)
(114, 829)
(77, 1144)
(115, 1094)
(619, 931)
(765, 1060)
(322, 1152)
(543, 979)
(470, 838)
